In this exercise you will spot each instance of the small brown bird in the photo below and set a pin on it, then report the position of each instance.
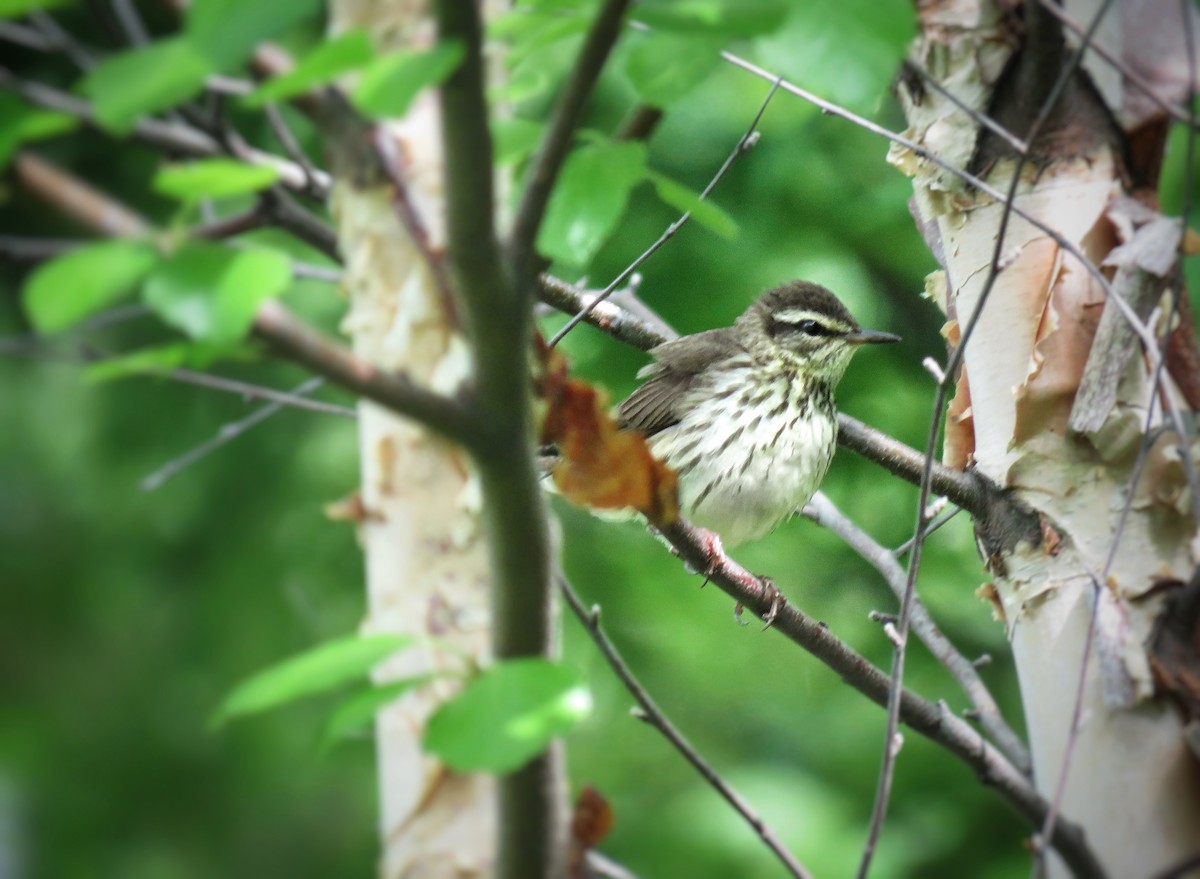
(745, 415)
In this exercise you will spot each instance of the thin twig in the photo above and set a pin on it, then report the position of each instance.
(131, 22)
(291, 146)
(927, 80)
(251, 391)
(560, 132)
(61, 41)
(652, 714)
(823, 511)
(225, 434)
(745, 143)
(930, 720)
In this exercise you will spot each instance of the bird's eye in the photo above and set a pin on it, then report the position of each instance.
(812, 328)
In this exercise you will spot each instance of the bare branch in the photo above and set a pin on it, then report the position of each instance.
(823, 511)
(932, 721)
(294, 340)
(654, 715)
(75, 197)
(225, 434)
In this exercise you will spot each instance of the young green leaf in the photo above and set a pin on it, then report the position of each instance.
(212, 178)
(389, 84)
(703, 212)
(514, 139)
(507, 715)
(212, 292)
(318, 670)
(227, 31)
(79, 283)
(730, 18)
(360, 709)
(21, 123)
(590, 197)
(328, 60)
(693, 58)
(129, 85)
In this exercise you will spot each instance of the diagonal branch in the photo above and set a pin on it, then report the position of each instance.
(822, 511)
(652, 714)
(291, 338)
(931, 720)
(544, 169)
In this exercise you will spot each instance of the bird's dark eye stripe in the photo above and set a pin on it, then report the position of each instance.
(808, 326)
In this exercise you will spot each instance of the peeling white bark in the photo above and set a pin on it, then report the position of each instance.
(426, 563)
(1132, 783)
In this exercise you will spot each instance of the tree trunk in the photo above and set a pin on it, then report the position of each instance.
(1054, 395)
(421, 528)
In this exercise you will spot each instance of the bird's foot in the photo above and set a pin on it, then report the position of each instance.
(772, 593)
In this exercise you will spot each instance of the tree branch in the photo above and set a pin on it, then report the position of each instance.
(293, 339)
(654, 715)
(544, 168)
(822, 511)
(933, 721)
(532, 827)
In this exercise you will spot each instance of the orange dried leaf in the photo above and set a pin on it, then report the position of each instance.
(600, 465)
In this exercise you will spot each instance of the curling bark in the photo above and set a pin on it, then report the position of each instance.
(1053, 397)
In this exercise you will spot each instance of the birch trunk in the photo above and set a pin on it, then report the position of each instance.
(421, 532)
(1034, 414)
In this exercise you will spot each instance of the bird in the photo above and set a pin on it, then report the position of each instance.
(745, 415)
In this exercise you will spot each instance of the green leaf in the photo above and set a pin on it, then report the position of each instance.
(212, 178)
(197, 355)
(590, 197)
(515, 139)
(346, 52)
(389, 84)
(17, 8)
(21, 123)
(507, 715)
(322, 668)
(729, 18)
(129, 85)
(360, 709)
(70, 287)
(692, 59)
(212, 292)
(703, 212)
(227, 31)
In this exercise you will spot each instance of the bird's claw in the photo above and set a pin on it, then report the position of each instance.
(777, 598)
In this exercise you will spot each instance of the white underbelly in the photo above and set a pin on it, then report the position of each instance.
(742, 479)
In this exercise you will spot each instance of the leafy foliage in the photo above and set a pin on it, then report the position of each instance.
(64, 291)
(211, 292)
(389, 84)
(323, 668)
(507, 715)
(21, 123)
(213, 178)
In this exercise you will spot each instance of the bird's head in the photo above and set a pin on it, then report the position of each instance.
(807, 325)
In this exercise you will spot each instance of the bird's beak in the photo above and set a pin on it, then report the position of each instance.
(870, 337)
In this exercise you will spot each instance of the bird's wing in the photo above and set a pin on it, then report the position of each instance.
(660, 402)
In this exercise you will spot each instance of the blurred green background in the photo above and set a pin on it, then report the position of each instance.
(126, 615)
